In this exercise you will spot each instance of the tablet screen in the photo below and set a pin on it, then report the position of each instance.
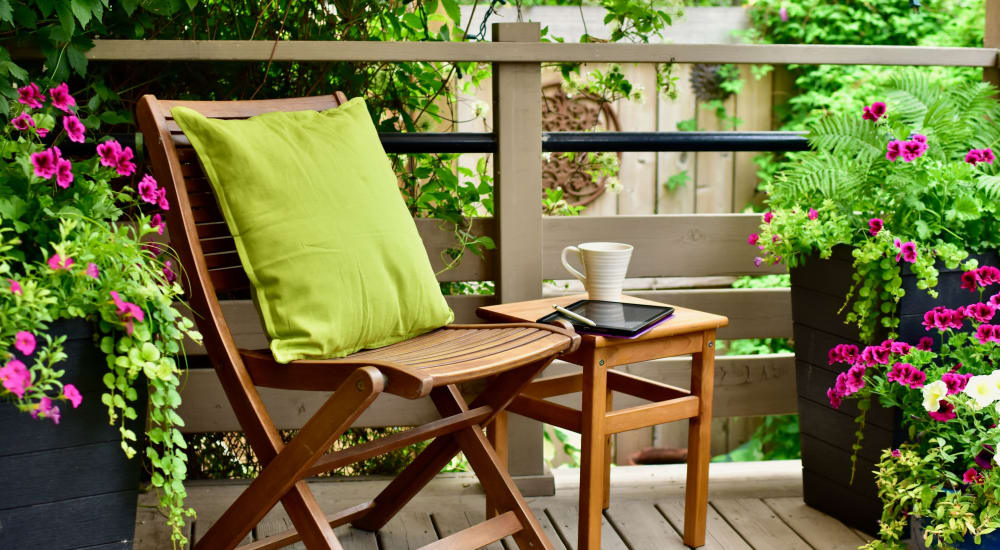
(618, 315)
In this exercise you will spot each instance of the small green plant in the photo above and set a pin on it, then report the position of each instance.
(676, 181)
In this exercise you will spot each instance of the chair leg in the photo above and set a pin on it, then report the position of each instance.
(281, 477)
(432, 459)
(699, 444)
(496, 482)
(607, 456)
(496, 434)
(595, 381)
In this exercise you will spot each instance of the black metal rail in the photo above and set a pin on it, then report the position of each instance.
(469, 142)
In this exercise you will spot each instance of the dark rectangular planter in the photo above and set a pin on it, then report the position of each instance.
(827, 434)
(68, 485)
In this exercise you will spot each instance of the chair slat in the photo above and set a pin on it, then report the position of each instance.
(213, 230)
(249, 108)
(218, 246)
(229, 279)
(221, 261)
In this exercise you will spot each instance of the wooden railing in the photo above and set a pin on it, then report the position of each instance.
(529, 244)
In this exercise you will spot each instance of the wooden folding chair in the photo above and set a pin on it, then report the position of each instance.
(509, 355)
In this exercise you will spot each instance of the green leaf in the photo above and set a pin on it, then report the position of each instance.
(77, 59)
(6, 11)
(130, 6)
(66, 19)
(413, 21)
(80, 10)
(453, 11)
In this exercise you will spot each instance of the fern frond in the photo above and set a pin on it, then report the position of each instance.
(911, 94)
(990, 186)
(846, 134)
(824, 177)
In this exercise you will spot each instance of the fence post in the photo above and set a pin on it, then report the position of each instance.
(992, 39)
(517, 187)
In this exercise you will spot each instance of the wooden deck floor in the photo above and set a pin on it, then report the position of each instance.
(751, 506)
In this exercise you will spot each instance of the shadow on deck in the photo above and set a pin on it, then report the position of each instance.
(752, 505)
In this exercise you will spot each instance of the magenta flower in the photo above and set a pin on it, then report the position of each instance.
(875, 355)
(92, 271)
(971, 475)
(753, 238)
(896, 453)
(64, 173)
(148, 189)
(157, 223)
(72, 394)
(994, 300)
(768, 216)
(980, 312)
(123, 162)
(874, 112)
(984, 459)
(168, 272)
(955, 382)
(42, 132)
(899, 348)
(988, 333)
(942, 318)
(23, 121)
(975, 156)
(16, 377)
(913, 149)
(925, 343)
(61, 99)
(874, 226)
(757, 261)
(908, 251)
(108, 152)
(906, 375)
(856, 378)
(894, 150)
(57, 262)
(127, 311)
(783, 14)
(15, 287)
(31, 96)
(24, 341)
(843, 353)
(945, 412)
(834, 398)
(162, 201)
(46, 163)
(813, 214)
(74, 128)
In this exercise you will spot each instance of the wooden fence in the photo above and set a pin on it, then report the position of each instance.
(529, 244)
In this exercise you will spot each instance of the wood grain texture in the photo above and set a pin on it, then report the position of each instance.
(753, 108)
(565, 519)
(642, 527)
(758, 524)
(669, 113)
(719, 535)
(714, 170)
(264, 50)
(638, 169)
(991, 39)
(818, 529)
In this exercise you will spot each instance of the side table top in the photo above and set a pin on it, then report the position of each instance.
(683, 321)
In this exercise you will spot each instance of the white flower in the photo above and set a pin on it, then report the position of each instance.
(982, 389)
(933, 394)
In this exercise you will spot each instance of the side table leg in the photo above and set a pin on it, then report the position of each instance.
(699, 443)
(595, 382)
(607, 456)
(496, 433)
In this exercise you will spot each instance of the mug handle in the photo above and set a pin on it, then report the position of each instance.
(575, 273)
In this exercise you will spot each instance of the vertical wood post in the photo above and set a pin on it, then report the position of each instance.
(992, 39)
(517, 187)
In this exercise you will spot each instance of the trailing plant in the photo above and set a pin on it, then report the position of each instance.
(904, 183)
(72, 246)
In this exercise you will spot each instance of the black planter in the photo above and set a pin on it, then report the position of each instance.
(68, 485)
(827, 434)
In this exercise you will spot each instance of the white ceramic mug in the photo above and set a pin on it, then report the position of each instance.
(605, 265)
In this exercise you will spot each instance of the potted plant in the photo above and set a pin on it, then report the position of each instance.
(88, 329)
(873, 224)
(945, 478)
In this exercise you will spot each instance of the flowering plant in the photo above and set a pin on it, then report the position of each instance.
(948, 472)
(74, 246)
(905, 182)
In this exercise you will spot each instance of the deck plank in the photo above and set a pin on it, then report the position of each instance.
(642, 527)
(719, 535)
(452, 520)
(408, 529)
(821, 531)
(565, 518)
(758, 524)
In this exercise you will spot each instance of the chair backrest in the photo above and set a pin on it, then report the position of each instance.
(198, 232)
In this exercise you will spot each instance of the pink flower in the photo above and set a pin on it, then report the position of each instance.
(42, 132)
(57, 262)
(61, 99)
(915, 378)
(70, 392)
(55, 415)
(813, 214)
(843, 353)
(783, 14)
(168, 272)
(988, 333)
(108, 152)
(834, 398)
(753, 238)
(894, 150)
(157, 223)
(123, 162)
(24, 341)
(64, 173)
(92, 271)
(899, 348)
(975, 156)
(15, 287)
(757, 261)
(919, 138)
(16, 377)
(875, 355)
(955, 382)
(984, 459)
(23, 121)
(856, 378)
(162, 202)
(906, 375)
(925, 343)
(874, 112)
(896, 453)
(994, 300)
(46, 163)
(874, 226)
(148, 190)
(907, 251)
(945, 412)
(127, 311)
(913, 150)
(942, 318)
(74, 128)
(971, 475)
(980, 312)
(768, 216)
(31, 96)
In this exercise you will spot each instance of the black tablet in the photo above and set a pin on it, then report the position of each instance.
(613, 318)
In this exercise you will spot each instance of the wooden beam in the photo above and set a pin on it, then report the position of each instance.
(991, 39)
(651, 414)
(530, 52)
(744, 386)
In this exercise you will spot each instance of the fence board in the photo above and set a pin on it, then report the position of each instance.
(665, 245)
(669, 113)
(638, 169)
(714, 172)
(744, 386)
(438, 236)
(753, 107)
(525, 52)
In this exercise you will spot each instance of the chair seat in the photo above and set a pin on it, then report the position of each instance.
(449, 355)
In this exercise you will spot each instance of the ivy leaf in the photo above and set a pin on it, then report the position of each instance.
(66, 19)
(77, 59)
(80, 10)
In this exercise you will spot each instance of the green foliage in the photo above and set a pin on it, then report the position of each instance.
(676, 181)
(777, 438)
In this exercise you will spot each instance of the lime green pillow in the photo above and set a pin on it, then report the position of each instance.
(321, 229)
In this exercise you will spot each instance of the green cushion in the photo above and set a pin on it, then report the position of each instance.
(334, 256)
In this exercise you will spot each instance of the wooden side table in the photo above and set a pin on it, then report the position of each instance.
(688, 331)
